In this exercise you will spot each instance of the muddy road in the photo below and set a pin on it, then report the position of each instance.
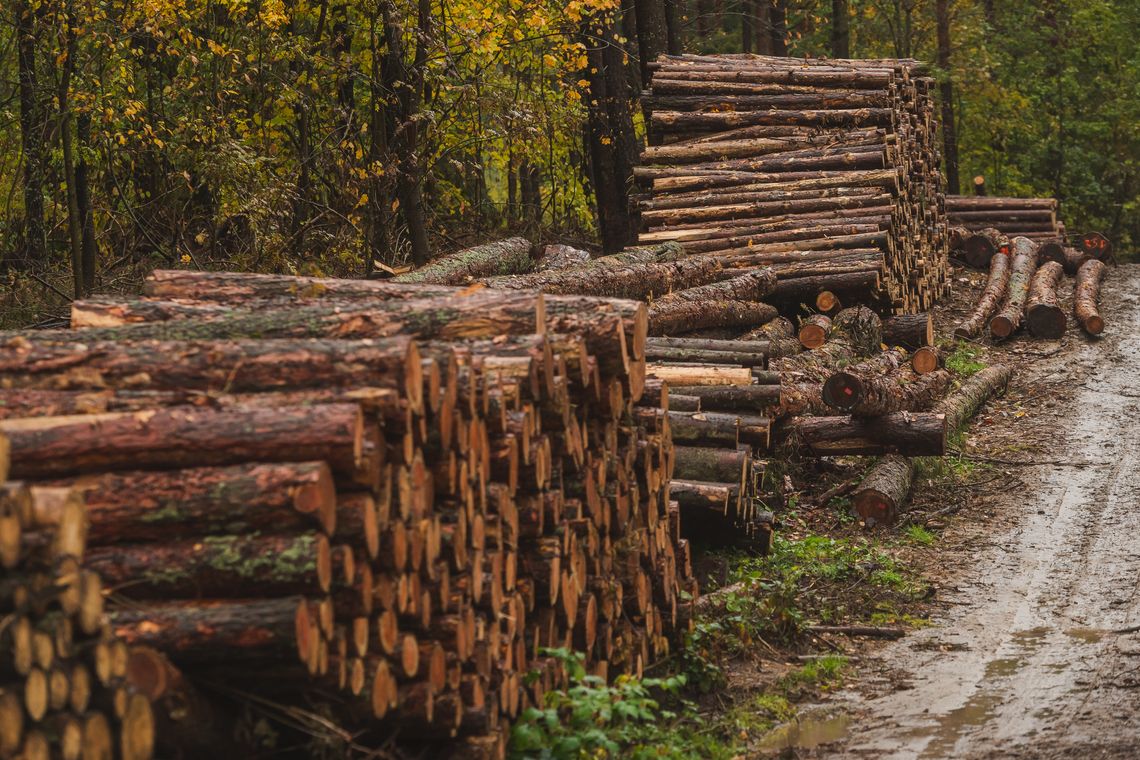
(1037, 654)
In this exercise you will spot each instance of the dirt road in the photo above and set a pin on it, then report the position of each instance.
(1038, 653)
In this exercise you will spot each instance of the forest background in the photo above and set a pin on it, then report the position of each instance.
(340, 136)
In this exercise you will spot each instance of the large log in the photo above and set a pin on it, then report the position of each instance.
(907, 433)
(911, 331)
(814, 330)
(1023, 252)
(1070, 258)
(884, 490)
(637, 281)
(980, 247)
(1087, 296)
(143, 506)
(1043, 315)
(711, 464)
(866, 393)
(990, 300)
(685, 316)
(510, 256)
(184, 437)
(751, 286)
(964, 403)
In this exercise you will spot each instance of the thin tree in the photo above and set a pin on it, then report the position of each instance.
(949, 134)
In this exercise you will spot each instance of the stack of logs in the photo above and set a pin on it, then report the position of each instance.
(64, 691)
(990, 218)
(409, 492)
(1022, 289)
(826, 170)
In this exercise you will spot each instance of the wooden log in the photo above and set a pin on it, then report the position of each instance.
(964, 403)
(715, 429)
(180, 437)
(814, 330)
(779, 335)
(980, 247)
(757, 358)
(142, 506)
(884, 490)
(637, 281)
(847, 283)
(1070, 258)
(700, 375)
(855, 332)
(864, 393)
(906, 433)
(700, 498)
(212, 631)
(925, 359)
(751, 286)
(686, 316)
(990, 300)
(710, 464)
(503, 257)
(1023, 252)
(911, 331)
(558, 256)
(753, 398)
(965, 202)
(1043, 315)
(1086, 296)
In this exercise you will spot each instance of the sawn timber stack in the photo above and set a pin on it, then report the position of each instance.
(402, 493)
(773, 160)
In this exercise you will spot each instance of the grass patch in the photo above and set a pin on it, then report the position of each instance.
(824, 673)
(963, 360)
(917, 534)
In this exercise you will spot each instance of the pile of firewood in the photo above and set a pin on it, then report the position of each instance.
(64, 686)
(990, 217)
(1022, 289)
(825, 170)
(384, 499)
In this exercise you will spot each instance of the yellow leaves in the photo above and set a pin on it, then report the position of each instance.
(395, 204)
(361, 200)
(583, 83)
(549, 60)
(185, 258)
(273, 14)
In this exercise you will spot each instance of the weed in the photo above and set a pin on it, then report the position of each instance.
(919, 535)
(824, 673)
(963, 361)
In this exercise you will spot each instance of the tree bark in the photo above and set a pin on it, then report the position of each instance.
(510, 256)
(884, 491)
(33, 129)
(1087, 296)
(756, 397)
(1043, 315)
(946, 87)
(991, 298)
(1023, 265)
(636, 281)
(1070, 258)
(840, 30)
(964, 403)
(141, 506)
(703, 356)
(751, 286)
(711, 464)
(911, 331)
(685, 316)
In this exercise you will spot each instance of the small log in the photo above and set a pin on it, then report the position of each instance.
(637, 281)
(1070, 258)
(980, 247)
(1087, 296)
(754, 398)
(700, 375)
(746, 287)
(907, 433)
(911, 331)
(964, 403)
(1043, 315)
(814, 331)
(756, 358)
(990, 300)
(865, 392)
(686, 316)
(925, 359)
(884, 490)
(711, 464)
(510, 256)
(1023, 252)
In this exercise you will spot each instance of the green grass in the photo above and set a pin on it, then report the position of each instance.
(963, 360)
(824, 673)
(918, 535)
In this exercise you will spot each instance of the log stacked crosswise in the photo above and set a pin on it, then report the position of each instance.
(404, 493)
(825, 170)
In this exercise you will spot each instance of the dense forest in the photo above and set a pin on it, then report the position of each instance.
(337, 137)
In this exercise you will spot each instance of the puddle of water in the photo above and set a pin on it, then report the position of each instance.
(1031, 639)
(1004, 667)
(806, 732)
(951, 726)
(1086, 635)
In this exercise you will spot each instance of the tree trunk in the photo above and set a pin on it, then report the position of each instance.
(1043, 315)
(711, 464)
(1087, 296)
(980, 247)
(703, 356)
(181, 437)
(33, 129)
(946, 87)
(141, 506)
(778, 27)
(503, 257)
(719, 429)
(840, 30)
(964, 403)
(652, 34)
(1070, 258)
(884, 491)
(911, 331)
(83, 198)
(685, 316)
(991, 298)
(1024, 264)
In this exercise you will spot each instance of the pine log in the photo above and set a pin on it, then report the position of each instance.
(911, 331)
(182, 437)
(751, 286)
(510, 256)
(980, 247)
(866, 393)
(907, 433)
(925, 359)
(686, 316)
(753, 398)
(884, 490)
(1070, 258)
(1043, 315)
(212, 631)
(814, 330)
(849, 284)
(701, 375)
(779, 335)
(854, 332)
(136, 507)
(1023, 252)
(964, 403)
(711, 464)
(637, 281)
(556, 257)
(1087, 296)
(717, 429)
(990, 300)
(758, 358)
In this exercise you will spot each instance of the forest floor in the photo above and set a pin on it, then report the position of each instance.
(1015, 574)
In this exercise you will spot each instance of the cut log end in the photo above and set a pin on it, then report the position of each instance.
(842, 390)
(1001, 326)
(1046, 322)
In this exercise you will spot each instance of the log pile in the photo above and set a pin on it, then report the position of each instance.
(64, 688)
(827, 171)
(992, 219)
(386, 498)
